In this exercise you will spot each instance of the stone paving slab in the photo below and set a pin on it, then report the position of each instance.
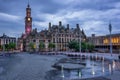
(114, 76)
(97, 78)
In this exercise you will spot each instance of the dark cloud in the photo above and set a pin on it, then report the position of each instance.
(95, 4)
(90, 14)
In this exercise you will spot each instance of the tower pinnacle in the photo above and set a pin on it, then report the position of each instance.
(28, 20)
(28, 4)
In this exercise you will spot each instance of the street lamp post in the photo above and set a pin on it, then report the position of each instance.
(110, 30)
(56, 40)
(79, 37)
(80, 41)
(85, 40)
(3, 43)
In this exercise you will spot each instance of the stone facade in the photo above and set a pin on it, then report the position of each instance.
(59, 35)
(6, 40)
(56, 34)
(28, 20)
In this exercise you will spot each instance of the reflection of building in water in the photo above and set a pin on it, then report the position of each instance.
(102, 43)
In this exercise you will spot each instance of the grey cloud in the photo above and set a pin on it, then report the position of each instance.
(69, 11)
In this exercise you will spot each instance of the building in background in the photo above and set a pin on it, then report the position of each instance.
(102, 43)
(6, 40)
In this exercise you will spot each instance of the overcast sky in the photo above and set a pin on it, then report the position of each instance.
(93, 16)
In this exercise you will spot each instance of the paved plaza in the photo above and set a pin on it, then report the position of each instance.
(24, 66)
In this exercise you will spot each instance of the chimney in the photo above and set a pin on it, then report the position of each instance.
(49, 24)
(35, 29)
(77, 25)
(60, 23)
(49, 28)
(93, 35)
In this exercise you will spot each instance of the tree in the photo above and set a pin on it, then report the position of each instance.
(83, 46)
(6, 47)
(41, 46)
(31, 45)
(73, 45)
(11, 45)
(90, 47)
(51, 46)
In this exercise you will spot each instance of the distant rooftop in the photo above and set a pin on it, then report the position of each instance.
(5, 36)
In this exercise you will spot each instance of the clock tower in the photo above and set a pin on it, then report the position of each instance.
(28, 20)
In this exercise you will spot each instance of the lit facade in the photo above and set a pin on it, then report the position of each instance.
(103, 42)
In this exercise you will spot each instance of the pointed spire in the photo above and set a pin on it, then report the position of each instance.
(28, 4)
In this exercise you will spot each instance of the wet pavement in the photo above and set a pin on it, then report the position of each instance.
(39, 67)
(25, 66)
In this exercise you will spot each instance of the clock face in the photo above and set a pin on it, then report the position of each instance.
(28, 19)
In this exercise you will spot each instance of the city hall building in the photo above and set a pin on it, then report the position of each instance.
(59, 35)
